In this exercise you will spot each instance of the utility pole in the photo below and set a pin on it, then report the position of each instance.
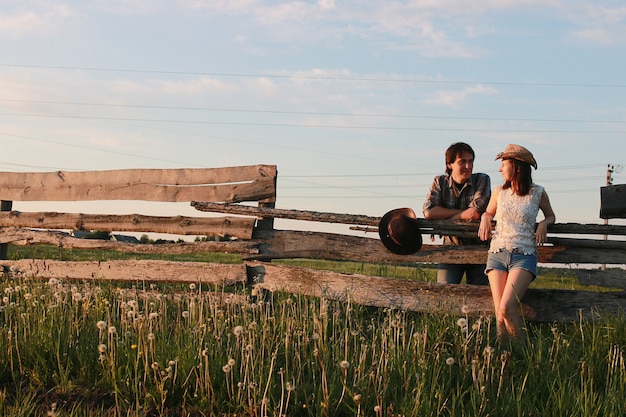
(609, 181)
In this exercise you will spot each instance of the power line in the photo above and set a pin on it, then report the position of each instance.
(309, 113)
(316, 126)
(312, 77)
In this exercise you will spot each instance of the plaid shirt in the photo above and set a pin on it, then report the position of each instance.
(475, 193)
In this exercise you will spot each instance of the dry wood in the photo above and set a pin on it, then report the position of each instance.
(295, 244)
(615, 278)
(437, 227)
(233, 184)
(139, 271)
(24, 237)
(239, 227)
(537, 305)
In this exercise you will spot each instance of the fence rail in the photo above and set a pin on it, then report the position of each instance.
(248, 231)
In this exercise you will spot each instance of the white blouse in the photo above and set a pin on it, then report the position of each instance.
(516, 221)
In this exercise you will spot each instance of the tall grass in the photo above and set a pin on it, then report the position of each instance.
(69, 349)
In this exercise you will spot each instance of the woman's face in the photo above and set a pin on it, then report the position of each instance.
(507, 169)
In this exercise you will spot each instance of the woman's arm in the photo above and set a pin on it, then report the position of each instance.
(484, 230)
(549, 218)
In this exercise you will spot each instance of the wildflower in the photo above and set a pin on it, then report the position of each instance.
(171, 363)
(5, 300)
(192, 286)
(377, 409)
(357, 398)
(462, 322)
(102, 348)
(132, 303)
(53, 282)
(155, 366)
(450, 361)
(28, 296)
(465, 309)
(101, 325)
(133, 346)
(231, 362)
(112, 330)
(226, 368)
(77, 296)
(238, 330)
(185, 314)
(344, 364)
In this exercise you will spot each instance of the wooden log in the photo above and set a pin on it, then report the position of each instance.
(133, 270)
(233, 184)
(315, 245)
(239, 227)
(437, 227)
(614, 278)
(24, 237)
(537, 305)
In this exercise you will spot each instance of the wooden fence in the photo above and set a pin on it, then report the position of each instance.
(247, 196)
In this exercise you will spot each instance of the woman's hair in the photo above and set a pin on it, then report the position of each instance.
(454, 151)
(522, 179)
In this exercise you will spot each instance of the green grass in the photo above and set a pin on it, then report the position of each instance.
(100, 349)
(73, 349)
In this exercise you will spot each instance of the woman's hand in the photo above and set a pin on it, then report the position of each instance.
(484, 230)
(541, 233)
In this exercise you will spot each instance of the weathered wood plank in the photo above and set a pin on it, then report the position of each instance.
(233, 184)
(25, 237)
(152, 271)
(239, 227)
(614, 278)
(537, 305)
(296, 244)
(437, 227)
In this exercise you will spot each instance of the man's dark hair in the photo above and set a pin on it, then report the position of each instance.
(454, 151)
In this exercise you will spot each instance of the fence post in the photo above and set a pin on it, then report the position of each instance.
(5, 205)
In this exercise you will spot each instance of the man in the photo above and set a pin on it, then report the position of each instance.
(459, 195)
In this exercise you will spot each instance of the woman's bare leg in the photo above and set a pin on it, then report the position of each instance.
(497, 283)
(516, 285)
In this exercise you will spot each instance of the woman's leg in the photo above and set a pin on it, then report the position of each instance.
(497, 282)
(516, 285)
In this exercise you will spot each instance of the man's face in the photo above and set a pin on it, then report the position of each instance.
(462, 167)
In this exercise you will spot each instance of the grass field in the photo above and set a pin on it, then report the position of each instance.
(102, 349)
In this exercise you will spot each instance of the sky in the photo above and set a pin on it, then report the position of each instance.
(354, 101)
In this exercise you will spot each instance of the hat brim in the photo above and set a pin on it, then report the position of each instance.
(390, 244)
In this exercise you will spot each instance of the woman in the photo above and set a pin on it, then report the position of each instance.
(512, 258)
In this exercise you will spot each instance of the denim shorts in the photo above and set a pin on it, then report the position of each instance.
(506, 261)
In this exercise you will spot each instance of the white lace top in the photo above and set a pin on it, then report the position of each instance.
(516, 219)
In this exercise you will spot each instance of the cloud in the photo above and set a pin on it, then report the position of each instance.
(453, 98)
(46, 19)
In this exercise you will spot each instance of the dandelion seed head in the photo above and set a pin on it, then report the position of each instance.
(185, 314)
(357, 398)
(102, 325)
(450, 361)
(462, 322)
(238, 330)
(153, 316)
(231, 362)
(102, 348)
(5, 300)
(112, 330)
(226, 368)
(192, 286)
(465, 309)
(150, 336)
(155, 365)
(377, 409)
(344, 364)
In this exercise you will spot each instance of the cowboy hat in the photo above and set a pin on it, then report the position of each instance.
(399, 231)
(518, 152)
